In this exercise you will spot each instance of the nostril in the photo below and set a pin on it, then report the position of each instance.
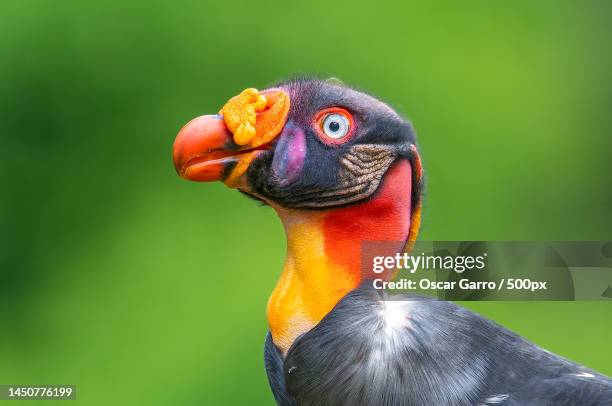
(289, 155)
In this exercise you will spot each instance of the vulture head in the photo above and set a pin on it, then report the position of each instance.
(339, 167)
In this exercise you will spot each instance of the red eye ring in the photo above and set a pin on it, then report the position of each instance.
(320, 119)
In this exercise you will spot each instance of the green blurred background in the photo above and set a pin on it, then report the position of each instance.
(141, 288)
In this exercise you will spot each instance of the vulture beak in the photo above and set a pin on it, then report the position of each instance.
(221, 147)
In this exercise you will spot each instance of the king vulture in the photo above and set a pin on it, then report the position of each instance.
(340, 167)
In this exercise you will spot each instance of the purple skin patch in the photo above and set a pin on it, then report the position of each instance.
(289, 154)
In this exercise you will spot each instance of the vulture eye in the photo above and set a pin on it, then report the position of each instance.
(334, 125)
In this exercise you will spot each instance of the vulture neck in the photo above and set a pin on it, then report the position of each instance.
(323, 261)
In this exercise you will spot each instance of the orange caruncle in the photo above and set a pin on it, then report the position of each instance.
(256, 118)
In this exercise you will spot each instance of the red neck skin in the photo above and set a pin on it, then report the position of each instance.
(323, 260)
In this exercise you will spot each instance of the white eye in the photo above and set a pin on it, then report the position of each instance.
(336, 125)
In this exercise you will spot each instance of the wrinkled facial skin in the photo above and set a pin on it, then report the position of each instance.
(301, 170)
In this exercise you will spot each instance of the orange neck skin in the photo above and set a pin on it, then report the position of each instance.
(323, 261)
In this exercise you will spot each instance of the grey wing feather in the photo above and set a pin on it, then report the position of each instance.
(576, 389)
(274, 369)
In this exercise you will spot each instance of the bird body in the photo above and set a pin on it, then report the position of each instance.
(376, 350)
(341, 168)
